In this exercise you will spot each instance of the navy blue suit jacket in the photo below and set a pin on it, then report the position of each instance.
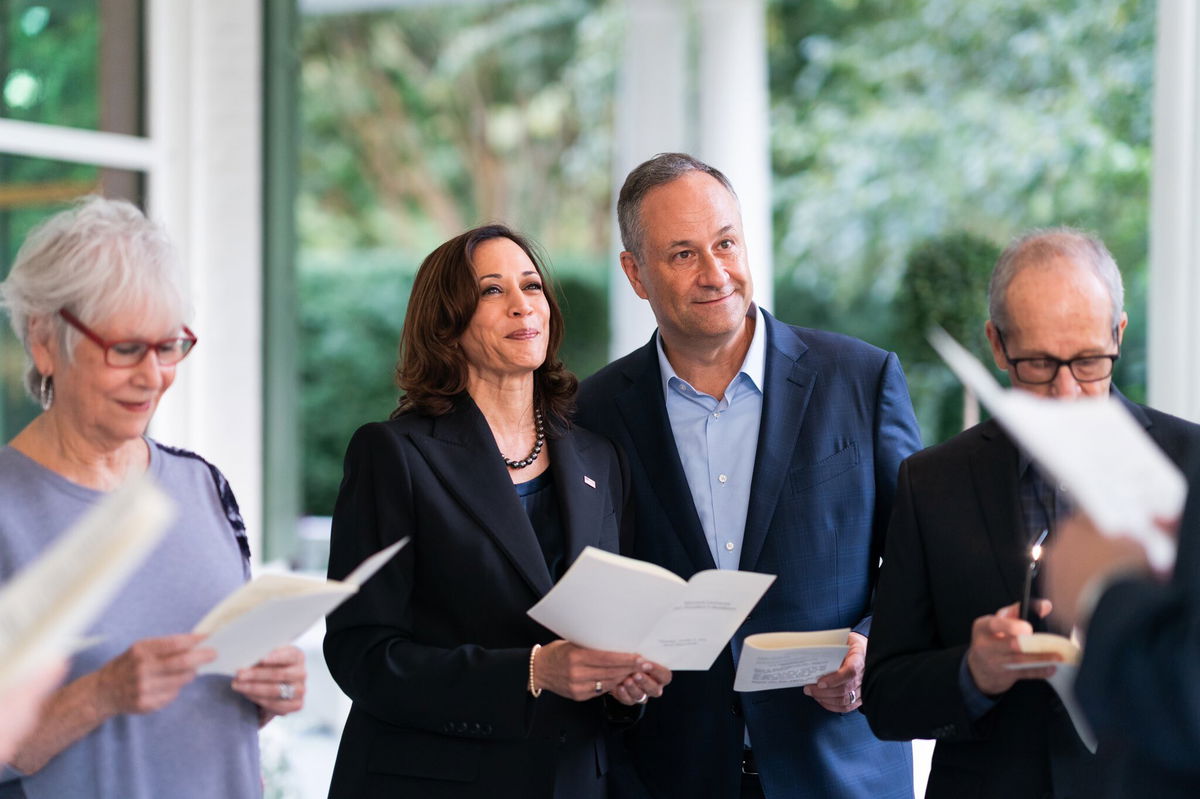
(836, 422)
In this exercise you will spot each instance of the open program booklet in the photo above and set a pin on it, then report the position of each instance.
(1093, 447)
(47, 606)
(789, 660)
(274, 609)
(620, 604)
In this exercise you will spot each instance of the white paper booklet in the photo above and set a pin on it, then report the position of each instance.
(47, 606)
(789, 660)
(620, 604)
(275, 609)
(1093, 447)
(1063, 680)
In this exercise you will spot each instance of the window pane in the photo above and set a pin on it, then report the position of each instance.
(32, 189)
(63, 62)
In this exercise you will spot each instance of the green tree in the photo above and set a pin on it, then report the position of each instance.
(893, 122)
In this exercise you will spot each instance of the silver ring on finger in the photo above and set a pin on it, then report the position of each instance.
(853, 696)
(287, 691)
(645, 698)
(599, 687)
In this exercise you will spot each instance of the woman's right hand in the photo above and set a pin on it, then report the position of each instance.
(577, 673)
(149, 675)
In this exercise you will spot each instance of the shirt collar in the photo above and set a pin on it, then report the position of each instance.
(754, 365)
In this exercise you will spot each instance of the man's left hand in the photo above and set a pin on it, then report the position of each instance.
(841, 691)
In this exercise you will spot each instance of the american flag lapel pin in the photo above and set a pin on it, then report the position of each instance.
(589, 482)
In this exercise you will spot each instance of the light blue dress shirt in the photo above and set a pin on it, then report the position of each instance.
(717, 442)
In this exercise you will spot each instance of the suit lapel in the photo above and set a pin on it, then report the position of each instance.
(462, 452)
(642, 406)
(581, 504)
(788, 387)
(994, 476)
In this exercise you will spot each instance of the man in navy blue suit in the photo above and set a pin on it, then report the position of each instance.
(759, 446)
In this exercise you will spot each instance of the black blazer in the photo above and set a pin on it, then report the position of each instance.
(434, 649)
(953, 554)
(1138, 679)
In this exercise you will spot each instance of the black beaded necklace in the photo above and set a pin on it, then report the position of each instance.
(540, 429)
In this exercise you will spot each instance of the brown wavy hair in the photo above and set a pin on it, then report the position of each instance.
(432, 369)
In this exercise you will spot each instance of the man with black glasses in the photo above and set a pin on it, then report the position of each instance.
(943, 661)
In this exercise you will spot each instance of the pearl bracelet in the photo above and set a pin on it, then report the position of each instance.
(533, 689)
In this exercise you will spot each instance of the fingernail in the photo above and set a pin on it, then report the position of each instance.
(647, 666)
(638, 677)
(822, 685)
(807, 691)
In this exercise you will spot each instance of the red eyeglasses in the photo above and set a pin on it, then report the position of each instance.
(127, 354)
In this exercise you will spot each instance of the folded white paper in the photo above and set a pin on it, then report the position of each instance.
(620, 604)
(789, 660)
(1092, 446)
(47, 606)
(275, 609)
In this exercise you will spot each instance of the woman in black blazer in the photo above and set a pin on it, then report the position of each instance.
(456, 691)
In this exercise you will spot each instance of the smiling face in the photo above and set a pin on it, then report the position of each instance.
(692, 268)
(105, 405)
(509, 331)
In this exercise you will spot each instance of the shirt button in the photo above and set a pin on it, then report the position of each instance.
(722, 478)
(728, 546)
(716, 414)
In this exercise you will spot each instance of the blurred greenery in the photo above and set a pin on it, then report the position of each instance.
(894, 123)
(945, 283)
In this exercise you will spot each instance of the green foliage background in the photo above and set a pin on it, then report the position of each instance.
(896, 125)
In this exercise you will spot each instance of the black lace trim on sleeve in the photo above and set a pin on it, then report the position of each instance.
(229, 502)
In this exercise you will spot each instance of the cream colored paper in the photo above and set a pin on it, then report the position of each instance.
(46, 607)
(789, 660)
(1063, 679)
(274, 609)
(620, 604)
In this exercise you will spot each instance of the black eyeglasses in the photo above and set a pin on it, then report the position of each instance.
(127, 354)
(1041, 370)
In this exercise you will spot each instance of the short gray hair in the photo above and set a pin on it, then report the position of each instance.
(659, 170)
(1046, 244)
(98, 259)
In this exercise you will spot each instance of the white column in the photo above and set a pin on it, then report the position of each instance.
(1174, 294)
(735, 121)
(205, 109)
(651, 118)
(715, 108)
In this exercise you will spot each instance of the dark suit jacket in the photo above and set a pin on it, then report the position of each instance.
(1138, 683)
(836, 422)
(434, 649)
(954, 554)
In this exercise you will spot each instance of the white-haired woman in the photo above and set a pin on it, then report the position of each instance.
(95, 297)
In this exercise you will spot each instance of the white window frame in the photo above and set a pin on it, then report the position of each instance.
(202, 161)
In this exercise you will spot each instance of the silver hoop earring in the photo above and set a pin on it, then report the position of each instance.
(46, 392)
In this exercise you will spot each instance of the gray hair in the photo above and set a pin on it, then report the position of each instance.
(99, 258)
(659, 170)
(1044, 245)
